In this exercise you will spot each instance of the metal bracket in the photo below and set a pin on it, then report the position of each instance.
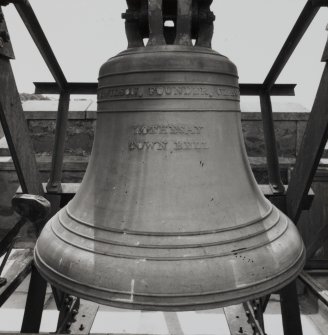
(69, 309)
(6, 49)
(242, 319)
(32, 207)
(255, 316)
(192, 19)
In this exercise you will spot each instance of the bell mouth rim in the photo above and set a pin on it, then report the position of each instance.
(138, 305)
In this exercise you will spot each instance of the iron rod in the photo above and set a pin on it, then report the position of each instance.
(310, 152)
(91, 88)
(270, 144)
(34, 303)
(32, 24)
(54, 184)
(303, 22)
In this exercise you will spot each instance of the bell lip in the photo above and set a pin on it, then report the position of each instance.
(126, 304)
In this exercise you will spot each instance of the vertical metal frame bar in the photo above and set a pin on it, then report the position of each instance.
(34, 303)
(54, 184)
(271, 144)
(290, 310)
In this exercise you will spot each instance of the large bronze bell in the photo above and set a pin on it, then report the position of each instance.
(169, 216)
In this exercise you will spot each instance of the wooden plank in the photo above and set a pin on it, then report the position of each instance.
(16, 273)
(310, 152)
(237, 320)
(16, 131)
(85, 318)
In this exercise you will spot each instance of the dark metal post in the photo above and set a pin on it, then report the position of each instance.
(54, 184)
(34, 303)
(290, 310)
(270, 143)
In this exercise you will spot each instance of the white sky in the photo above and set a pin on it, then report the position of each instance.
(84, 34)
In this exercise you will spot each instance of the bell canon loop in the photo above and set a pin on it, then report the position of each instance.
(169, 215)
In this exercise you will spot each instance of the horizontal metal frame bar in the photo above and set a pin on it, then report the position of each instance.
(91, 88)
(302, 24)
(279, 200)
(276, 90)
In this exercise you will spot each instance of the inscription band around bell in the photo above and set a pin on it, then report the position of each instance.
(169, 216)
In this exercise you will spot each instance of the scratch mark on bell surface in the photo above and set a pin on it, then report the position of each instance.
(132, 290)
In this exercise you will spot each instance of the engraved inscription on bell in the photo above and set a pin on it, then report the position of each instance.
(168, 91)
(150, 138)
(167, 129)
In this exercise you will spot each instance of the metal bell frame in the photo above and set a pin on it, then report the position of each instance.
(294, 200)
